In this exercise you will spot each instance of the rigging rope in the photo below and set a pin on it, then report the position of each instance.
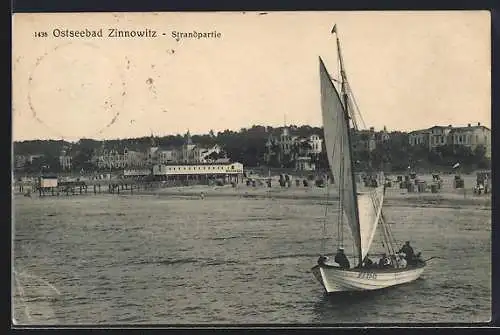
(323, 241)
(341, 194)
(355, 103)
(391, 235)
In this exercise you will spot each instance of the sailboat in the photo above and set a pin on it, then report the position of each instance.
(360, 209)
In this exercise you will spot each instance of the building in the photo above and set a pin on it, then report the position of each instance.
(65, 162)
(109, 159)
(286, 142)
(419, 137)
(22, 160)
(65, 159)
(431, 138)
(47, 181)
(470, 136)
(286, 146)
(364, 140)
(207, 154)
(168, 155)
(19, 161)
(316, 144)
(304, 164)
(188, 153)
(134, 159)
(227, 171)
(272, 149)
(383, 136)
(131, 173)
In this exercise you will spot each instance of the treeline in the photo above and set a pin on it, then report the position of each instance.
(248, 146)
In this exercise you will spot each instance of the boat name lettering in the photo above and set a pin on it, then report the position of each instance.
(367, 275)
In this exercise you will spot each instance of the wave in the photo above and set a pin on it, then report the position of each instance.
(289, 256)
(189, 260)
(235, 236)
(216, 262)
(167, 261)
(226, 238)
(96, 214)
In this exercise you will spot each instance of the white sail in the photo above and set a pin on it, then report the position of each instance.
(338, 150)
(370, 209)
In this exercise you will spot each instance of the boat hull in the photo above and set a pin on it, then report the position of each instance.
(335, 279)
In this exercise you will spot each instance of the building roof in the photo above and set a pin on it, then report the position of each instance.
(217, 162)
(450, 127)
(167, 148)
(471, 128)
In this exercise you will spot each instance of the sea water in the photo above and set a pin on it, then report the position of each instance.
(111, 259)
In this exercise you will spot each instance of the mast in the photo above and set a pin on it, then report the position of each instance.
(345, 99)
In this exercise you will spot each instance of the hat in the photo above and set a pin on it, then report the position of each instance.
(407, 242)
(341, 249)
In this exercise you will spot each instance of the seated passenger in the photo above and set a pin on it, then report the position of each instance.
(401, 261)
(408, 251)
(385, 262)
(322, 260)
(341, 259)
(367, 263)
(419, 259)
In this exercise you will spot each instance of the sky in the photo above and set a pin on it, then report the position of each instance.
(408, 70)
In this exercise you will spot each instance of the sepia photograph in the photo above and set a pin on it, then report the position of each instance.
(246, 168)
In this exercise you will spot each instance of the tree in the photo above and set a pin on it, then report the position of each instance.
(82, 160)
(479, 157)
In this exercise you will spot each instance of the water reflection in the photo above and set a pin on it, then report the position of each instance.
(368, 306)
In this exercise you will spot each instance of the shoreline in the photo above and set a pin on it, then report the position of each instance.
(394, 196)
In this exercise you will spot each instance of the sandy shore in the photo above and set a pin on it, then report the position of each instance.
(447, 196)
(393, 195)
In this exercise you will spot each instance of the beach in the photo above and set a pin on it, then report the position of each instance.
(447, 195)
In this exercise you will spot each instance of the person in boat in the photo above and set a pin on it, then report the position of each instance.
(419, 259)
(401, 261)
(341, 259)
(408, 251)
(367, 263)
(384, 262)
(322, 260)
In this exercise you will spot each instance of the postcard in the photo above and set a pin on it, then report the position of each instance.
(229, 168)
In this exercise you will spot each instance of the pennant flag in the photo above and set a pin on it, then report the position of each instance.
(456, 165)
(334, 29)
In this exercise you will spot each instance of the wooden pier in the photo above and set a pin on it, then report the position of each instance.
(79, 188)
(64, 188)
